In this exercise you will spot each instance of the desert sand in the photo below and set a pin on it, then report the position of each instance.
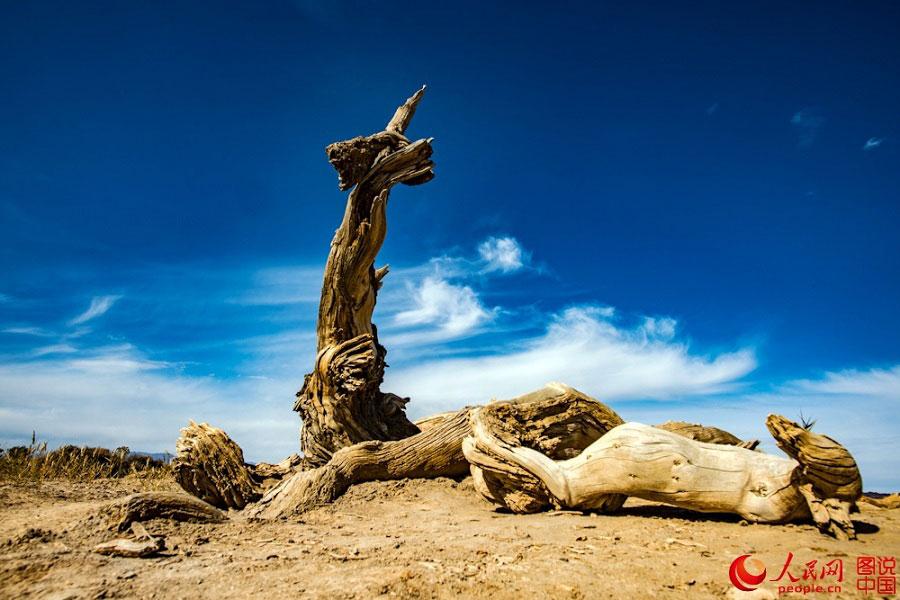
(404, 539)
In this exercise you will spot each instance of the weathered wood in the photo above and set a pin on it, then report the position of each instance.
(659, 465)
(131, 548)
(436, 452)
(341, 403)
(210, 465)
(638, 460)
(890, 501)
(557, 421)
(828, 476)
(162, 505)
(703, 433)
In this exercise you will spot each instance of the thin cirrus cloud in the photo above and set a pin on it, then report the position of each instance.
(34, 331)
(99, 306)
(808, 122)
(54, 349)
(872, 143)
(877, 383)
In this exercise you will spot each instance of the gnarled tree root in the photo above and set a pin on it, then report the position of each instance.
(435, 452)
(146, 506)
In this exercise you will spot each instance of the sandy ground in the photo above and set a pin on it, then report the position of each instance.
(409, 539)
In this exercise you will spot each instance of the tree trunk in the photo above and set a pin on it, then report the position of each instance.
(663, 466)
(559, 419)
(436, 452)
(553, 447)
(341, 403)
(703, 433)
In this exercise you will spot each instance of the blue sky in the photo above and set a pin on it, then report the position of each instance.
(687, 212)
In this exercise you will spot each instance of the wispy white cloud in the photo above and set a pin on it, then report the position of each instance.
(99, 306)
(502, 254)
(108, 360)
(808, 121)
(54, 349)
(712, 108)
(876, 383)
(872, 143)
(452, 310)
(35, 331)
(585, 348)
(119, 397)
(282, 285)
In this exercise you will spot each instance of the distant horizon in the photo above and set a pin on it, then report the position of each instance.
(689, 213)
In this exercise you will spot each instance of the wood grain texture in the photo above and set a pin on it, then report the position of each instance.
(146, 506)
(705, 433)
(341, 402)
(436, 452)
(210, 465)
(828, 478)
(646, 462)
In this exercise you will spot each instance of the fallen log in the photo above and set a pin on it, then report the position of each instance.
(658, 465)
(557, 418)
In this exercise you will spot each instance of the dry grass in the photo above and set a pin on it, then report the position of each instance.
(35, 463)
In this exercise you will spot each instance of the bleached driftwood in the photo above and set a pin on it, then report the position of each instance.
(654, 464)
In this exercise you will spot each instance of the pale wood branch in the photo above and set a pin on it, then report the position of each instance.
(405, 112)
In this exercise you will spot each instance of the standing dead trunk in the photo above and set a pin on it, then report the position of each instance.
(341, 403)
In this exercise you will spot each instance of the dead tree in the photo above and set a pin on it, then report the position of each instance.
(341, 402)
(553, 447)
(820, 480)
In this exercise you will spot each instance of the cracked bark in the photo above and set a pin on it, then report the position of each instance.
(341, 402)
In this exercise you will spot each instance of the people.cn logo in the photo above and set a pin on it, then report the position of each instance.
(741, 575)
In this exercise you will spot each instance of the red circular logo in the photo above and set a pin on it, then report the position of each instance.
(743, 579)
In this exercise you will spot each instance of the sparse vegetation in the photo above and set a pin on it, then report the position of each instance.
(34, 462)
(807, 423)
